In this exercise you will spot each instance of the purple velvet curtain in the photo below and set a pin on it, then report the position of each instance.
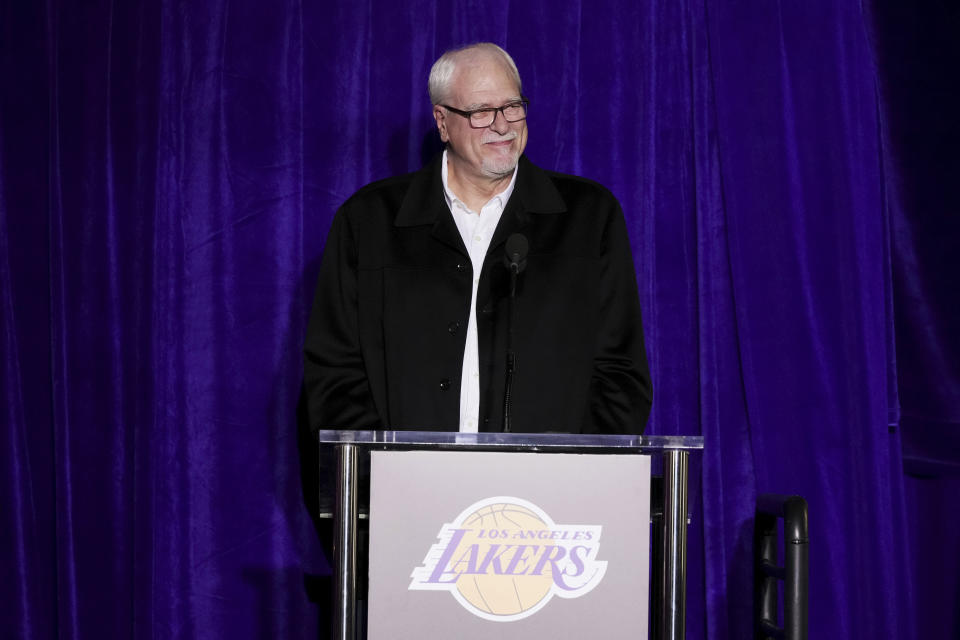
(918, 52)
(168, 172)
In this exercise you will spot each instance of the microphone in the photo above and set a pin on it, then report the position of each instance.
(516, 253)
(515, 259)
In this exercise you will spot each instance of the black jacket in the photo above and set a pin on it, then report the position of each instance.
(385, 342)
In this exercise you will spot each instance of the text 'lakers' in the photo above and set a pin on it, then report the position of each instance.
(503, 558)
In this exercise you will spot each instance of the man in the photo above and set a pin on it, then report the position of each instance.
(410, 319)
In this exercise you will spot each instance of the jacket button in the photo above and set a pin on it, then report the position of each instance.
(444, 384)
(453, 327)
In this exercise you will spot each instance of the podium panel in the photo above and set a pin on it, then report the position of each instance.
(473, 545)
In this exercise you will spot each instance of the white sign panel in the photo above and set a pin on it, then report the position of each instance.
(477, 545)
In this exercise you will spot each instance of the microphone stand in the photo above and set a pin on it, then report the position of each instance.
(516, 261)
(511, 357)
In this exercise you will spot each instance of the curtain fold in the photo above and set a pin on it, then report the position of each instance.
(168, 173)
(917, 52)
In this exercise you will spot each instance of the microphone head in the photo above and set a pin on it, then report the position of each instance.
(516, 252)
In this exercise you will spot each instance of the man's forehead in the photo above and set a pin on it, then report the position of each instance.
(482, 76)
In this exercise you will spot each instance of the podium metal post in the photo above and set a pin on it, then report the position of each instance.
(346, 514)
(676, 463)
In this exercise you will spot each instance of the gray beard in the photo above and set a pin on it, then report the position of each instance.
(499, 169)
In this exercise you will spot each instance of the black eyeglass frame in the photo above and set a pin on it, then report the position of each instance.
(469, 114)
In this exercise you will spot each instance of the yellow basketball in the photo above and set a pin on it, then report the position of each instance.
(497, 594)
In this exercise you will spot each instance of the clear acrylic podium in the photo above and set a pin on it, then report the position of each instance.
(670, 550)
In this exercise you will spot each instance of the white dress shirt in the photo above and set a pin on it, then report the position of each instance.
(476, 229)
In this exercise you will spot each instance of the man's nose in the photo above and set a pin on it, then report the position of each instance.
(499, 124)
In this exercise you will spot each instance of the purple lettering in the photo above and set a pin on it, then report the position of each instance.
(577, 560)
(548, 556)
(470, 558)
(558, 575)
(493, 557)
(440, 568)
(518, 558)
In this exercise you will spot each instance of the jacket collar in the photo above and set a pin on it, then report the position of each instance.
(424, 203)
(534, 191)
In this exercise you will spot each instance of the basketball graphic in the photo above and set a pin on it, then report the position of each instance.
(503, 595)
(503, 558)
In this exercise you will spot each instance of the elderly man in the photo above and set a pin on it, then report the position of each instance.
(413, 307)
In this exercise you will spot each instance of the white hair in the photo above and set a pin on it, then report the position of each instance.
(441, 74)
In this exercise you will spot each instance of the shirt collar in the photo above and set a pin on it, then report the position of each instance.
(423, 202)
(451, 198)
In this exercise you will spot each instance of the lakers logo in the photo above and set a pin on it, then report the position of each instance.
(503, 558)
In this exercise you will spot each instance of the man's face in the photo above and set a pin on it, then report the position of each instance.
(491, 152)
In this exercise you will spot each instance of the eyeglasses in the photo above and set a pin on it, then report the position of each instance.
(482, 118)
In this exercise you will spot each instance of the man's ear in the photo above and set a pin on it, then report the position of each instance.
(441, 119)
